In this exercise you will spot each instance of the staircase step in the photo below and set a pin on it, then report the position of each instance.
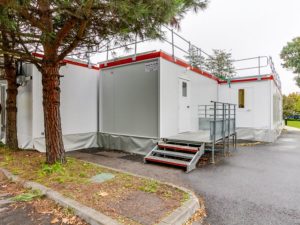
(178, 147)
(173, 162)
(174, 154)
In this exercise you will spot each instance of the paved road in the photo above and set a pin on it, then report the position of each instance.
(258, 185)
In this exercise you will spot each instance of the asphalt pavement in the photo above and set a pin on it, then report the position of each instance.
(257, 185)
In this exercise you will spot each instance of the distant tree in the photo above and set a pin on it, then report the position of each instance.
(220, 64)
(60, 27)
(291, 104)
(290, 54)
(195, 58)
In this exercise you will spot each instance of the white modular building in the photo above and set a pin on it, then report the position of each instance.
(131, 103)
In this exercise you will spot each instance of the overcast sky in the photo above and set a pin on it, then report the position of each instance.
(247, 28)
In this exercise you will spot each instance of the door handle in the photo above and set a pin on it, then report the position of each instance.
(188, 106)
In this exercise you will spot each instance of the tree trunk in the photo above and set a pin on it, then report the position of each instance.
(52, 122)
(11, 108)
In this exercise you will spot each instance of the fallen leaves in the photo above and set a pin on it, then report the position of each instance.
(199, 215)
(55, 220)
(102, 193)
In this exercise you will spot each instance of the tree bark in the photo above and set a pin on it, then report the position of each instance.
(52, 122)
(11, 107)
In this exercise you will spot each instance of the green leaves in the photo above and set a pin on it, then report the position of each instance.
(290, 54)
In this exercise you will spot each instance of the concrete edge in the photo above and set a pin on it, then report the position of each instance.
(90, 215)
(180, 215)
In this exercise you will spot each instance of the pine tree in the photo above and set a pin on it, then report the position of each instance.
(221, 64)
(59, 27)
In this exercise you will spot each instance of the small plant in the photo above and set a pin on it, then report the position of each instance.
(26, 197)
(185, 197)
(82, 175)
(50, 169)
(150, 186)
(167, 194)
(68, 211)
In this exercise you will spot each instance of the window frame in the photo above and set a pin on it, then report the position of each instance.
(241, 98)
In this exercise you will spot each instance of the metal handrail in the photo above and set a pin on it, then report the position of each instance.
(226, 118)
(172, 39)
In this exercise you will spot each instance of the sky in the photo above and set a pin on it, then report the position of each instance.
(247, 28)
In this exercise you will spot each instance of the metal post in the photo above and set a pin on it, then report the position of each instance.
(107, 48)
(214, 134)
(259, 65)
(235, 134)
(173, 49)
(135, 47)
(223, 126)
(229, 117)
(200, 55)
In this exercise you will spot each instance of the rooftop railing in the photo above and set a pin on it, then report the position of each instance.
(181, 48)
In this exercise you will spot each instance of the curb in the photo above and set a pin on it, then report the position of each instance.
(90, 215)
(177, 217)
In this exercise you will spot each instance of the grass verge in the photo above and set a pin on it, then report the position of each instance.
(293, 123)
(73, 180)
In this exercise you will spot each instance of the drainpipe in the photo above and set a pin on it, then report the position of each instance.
(98, 107)
(271, 104)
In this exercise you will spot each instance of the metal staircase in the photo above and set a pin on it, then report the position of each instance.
(176, 154)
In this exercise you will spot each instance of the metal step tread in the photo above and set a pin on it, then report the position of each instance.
(178, 147)
(174, 162)
(174, 154)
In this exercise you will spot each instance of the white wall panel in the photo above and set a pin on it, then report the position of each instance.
(257, 111)
(203, 90)
(24, 116)
(78, 101)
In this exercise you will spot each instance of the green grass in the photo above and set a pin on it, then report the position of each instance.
(29, 196)
(293, 123)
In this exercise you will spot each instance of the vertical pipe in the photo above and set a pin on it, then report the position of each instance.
(98, 107)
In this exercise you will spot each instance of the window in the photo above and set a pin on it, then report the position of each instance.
(241, 98)
(184, 89)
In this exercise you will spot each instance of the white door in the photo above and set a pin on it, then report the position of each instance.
(245, 114)
(184, 106)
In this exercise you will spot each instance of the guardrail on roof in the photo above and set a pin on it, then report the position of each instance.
(181, 48)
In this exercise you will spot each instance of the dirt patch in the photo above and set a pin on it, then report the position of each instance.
(110, 197)
(34, 212)
(133, 157)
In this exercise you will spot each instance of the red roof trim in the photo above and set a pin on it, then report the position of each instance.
(130, 60)
(247, 79)
(165, 56)
(68, 61)
(153, 55)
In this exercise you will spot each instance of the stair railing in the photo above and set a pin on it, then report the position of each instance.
(220, 119)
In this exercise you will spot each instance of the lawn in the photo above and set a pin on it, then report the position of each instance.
(125, 198)
(293, 123)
